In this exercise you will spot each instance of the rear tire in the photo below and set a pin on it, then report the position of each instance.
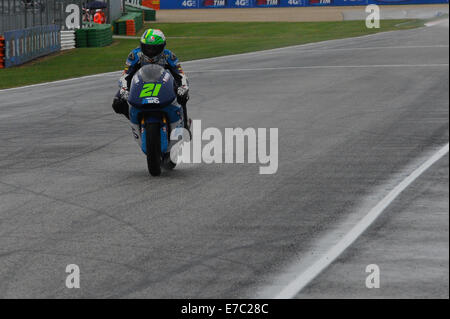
(153, 145)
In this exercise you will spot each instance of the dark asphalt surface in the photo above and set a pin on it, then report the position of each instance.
(409, 244)
(74, 187)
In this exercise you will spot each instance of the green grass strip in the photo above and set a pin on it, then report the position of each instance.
(190, 41)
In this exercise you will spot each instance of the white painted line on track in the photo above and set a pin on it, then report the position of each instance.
(437, 22)
(220, 58)
(115, 73)
(439, 46)
(118, 73)
(304, 278)
(323, 67)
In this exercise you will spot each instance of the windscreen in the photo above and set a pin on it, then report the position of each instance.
(151, 73)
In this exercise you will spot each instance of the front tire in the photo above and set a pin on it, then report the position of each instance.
(153, 146)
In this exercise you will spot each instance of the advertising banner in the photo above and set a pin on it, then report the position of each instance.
(181, 4)
(218, 4)
(395, 2)
(27, 44)
(320, 2)
(292, 3)
(350, 2)
(240, 3)
(213, 3)
(266, 3)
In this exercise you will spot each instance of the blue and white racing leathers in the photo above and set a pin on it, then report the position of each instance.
(136, 59)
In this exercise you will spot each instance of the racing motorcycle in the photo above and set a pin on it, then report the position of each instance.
(154, 117)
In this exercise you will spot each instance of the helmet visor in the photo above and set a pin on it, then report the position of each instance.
(152, 50)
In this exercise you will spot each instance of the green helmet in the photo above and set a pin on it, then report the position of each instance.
(153, 42)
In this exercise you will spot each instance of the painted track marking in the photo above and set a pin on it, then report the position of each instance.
(302, 280)
(325, 67)
(221, 58)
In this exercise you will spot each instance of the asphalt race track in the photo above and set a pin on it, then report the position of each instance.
(355, 116)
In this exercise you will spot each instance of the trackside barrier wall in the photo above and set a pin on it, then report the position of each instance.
(25, 45)
(67, 40)
(99, 35)
(204, 4)
(149, 14)
(2, 52)
(129, 23)
(153, 4)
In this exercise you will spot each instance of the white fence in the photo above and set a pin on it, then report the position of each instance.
(67, 40)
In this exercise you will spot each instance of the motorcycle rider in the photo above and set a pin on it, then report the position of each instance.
(151, 51)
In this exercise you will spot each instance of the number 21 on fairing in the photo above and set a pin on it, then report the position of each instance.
(150, 89)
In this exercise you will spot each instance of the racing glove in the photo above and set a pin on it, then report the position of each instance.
(124, 94)
(120, 106)
(123, 84)
(183, 94)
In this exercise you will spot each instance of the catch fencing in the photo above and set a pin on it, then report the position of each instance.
(33, 28)
(22, 14)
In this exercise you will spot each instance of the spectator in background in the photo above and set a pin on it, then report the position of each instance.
(103, 16)
(86, 15)
(99, 17)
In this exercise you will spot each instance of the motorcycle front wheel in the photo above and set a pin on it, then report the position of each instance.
(153, 145)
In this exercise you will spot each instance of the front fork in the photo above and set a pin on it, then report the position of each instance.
(164, 132)
(138, 120)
